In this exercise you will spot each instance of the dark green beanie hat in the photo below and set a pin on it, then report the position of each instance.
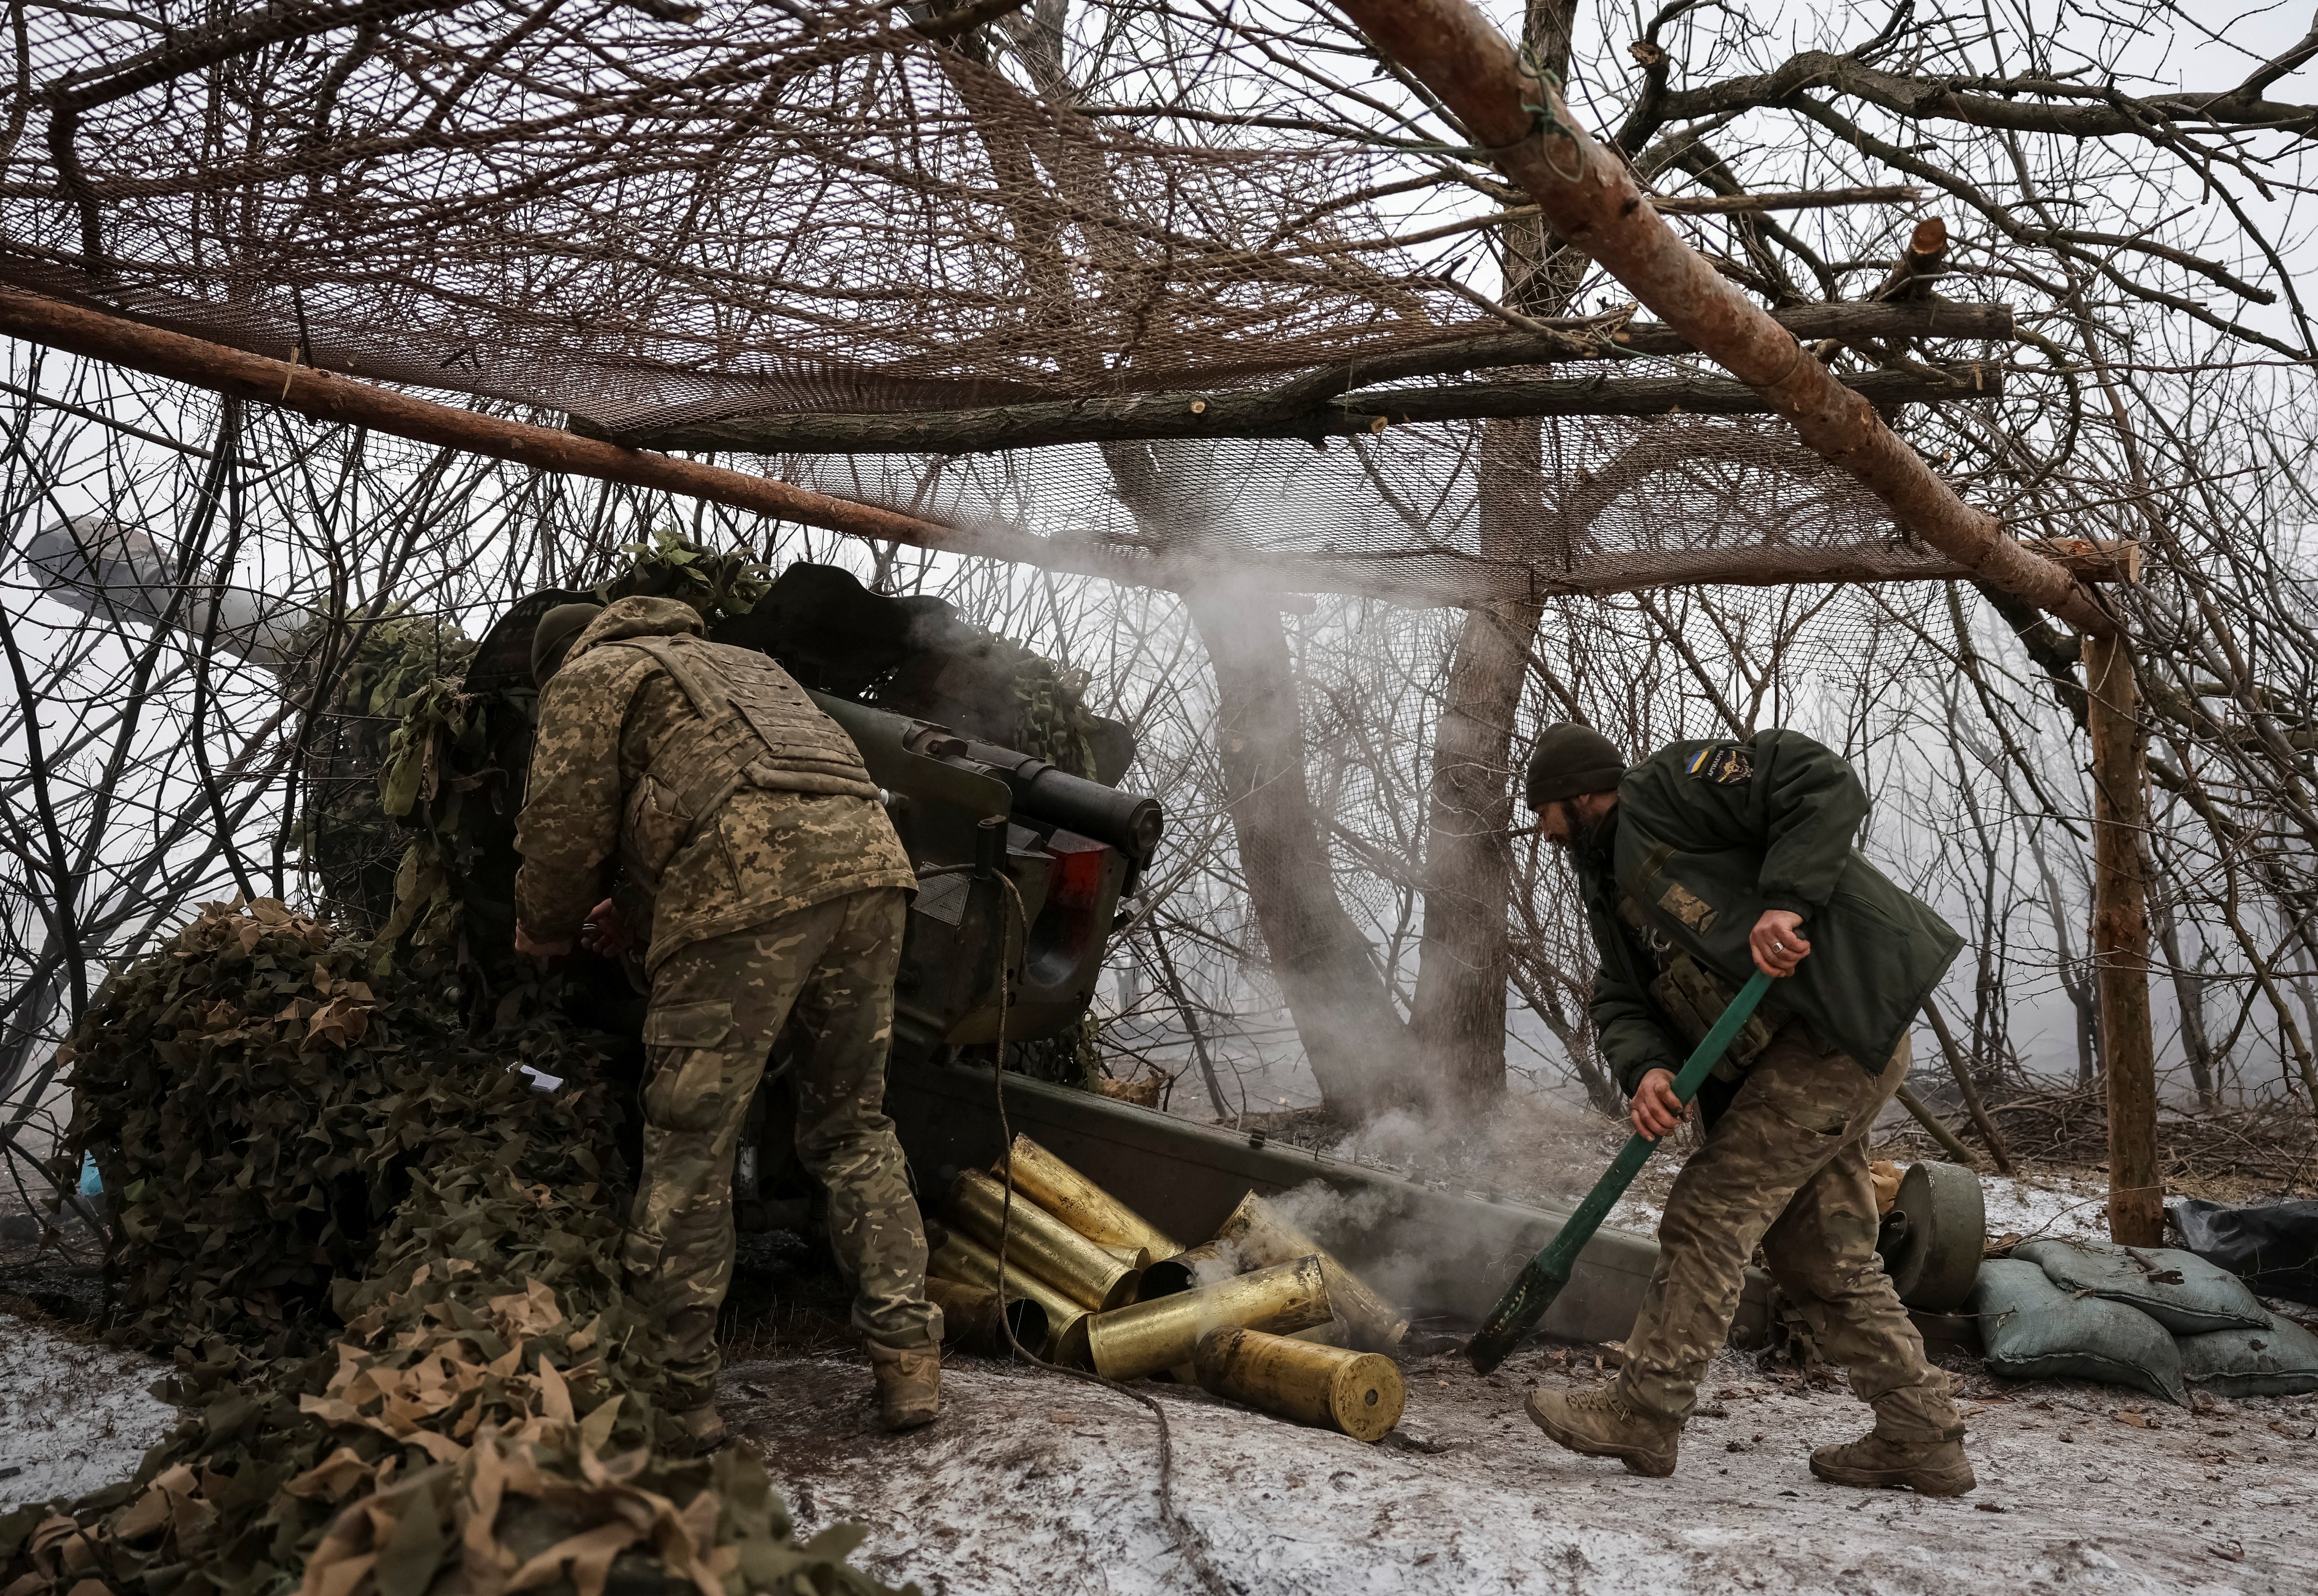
(558, 629)
(1572, 760)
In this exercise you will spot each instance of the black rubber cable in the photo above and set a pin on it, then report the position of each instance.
(1188, 1538)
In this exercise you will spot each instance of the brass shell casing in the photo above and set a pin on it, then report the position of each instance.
(1262, 1236)
(1079, 1203)
(971, 1319)
(1137, 1259)
(1168, 1276)
(1358, 1392)
(1131, 1343)
(967, 1261)
(1042, 1244)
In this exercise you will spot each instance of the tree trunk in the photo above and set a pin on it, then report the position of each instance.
(2137, 1195)
(1352, 1037)
(1457, 1018)
(2189, 997)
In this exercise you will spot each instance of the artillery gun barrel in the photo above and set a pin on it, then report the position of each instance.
(108, 569)
(930, 760)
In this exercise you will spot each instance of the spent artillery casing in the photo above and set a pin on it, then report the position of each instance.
(967, 1261)
(1168, 1276)
(1079, 1203)
(1137, 1259)
(1131, 1343)
(1041, 1243)
(974, 1321)
(1358, 1392)
(1262, 1237)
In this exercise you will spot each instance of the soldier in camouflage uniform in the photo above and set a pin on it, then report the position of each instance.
(763, 880)
(1704, 860)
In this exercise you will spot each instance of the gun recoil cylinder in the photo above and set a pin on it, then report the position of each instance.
(1129, 823)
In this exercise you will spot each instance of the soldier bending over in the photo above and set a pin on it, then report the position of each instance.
(1704, 859)
(764, 880)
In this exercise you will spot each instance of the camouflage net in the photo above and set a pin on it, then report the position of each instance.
(1054, 719)
(439, 756)
(385, 1263)
(672, 565)
(350, 838)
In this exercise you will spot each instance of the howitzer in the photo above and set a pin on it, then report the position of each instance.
(968, 809)
(967, 812)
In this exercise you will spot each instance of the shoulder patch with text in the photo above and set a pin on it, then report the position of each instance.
(1725, 764)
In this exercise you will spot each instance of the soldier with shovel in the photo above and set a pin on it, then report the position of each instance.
(1701, 865)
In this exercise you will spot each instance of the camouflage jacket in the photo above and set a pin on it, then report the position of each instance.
(718, 823)
(1706, 836)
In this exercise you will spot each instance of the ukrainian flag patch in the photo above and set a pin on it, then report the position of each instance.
(1725, 764)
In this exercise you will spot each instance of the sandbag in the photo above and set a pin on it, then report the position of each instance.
(2032, 1329)
(2278, 1359)
(2180, 1290)
(2272, 1247)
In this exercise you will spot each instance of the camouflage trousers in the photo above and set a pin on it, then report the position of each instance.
(715, 1008)
(1785, 1165)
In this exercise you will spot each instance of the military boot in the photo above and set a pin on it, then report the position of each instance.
(1928, 1467)
(909, 1384)
(1601, 1424)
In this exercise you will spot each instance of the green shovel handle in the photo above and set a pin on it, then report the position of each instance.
(1542, 1279)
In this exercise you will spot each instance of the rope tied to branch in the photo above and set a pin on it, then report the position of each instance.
(1544, 120)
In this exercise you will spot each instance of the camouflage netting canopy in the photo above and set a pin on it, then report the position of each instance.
(382, 1254)
(935, 237)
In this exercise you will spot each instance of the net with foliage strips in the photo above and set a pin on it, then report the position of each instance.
(383, 1260)
(816, 235)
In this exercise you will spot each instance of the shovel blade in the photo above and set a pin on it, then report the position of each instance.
(1517, 1311)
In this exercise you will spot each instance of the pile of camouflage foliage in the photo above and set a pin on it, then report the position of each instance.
(383, 1257)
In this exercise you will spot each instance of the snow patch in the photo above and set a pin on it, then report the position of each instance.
(73, 1417)
(2031, 1207)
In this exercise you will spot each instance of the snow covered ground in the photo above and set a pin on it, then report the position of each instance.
(1030, 1483)
(2030, 1206)
(73, 1416)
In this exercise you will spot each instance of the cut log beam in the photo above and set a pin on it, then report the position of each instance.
(1571, 340)
(1440, 577)
(327, 397)
(1258, 415)
(1587, 196)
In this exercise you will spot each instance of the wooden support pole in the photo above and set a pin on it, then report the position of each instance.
(1950, 1142)
(327, 397)
(1449, 580)
(1962, 1070)
(2120, 938)
(1587, 196)
(1259, 413)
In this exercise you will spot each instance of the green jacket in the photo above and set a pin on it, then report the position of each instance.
(1707, 836)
